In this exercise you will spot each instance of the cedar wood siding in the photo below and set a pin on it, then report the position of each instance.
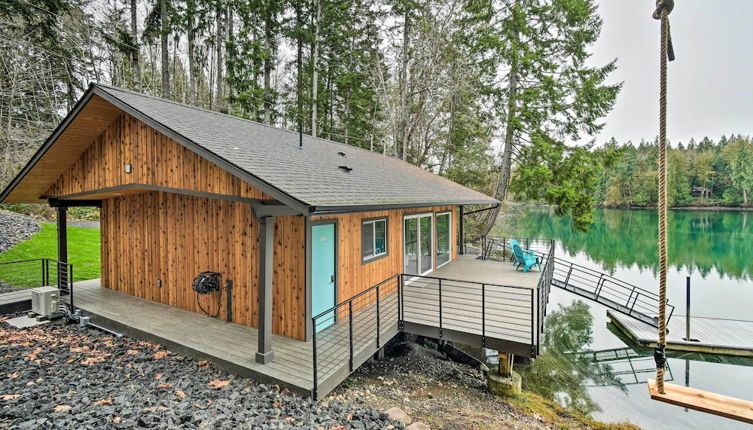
(173, 237)
(150, 236)
(354, 275)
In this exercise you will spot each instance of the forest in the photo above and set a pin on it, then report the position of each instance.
(469, 89)
(703, 173)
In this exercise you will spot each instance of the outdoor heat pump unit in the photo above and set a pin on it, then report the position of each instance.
(44, 300)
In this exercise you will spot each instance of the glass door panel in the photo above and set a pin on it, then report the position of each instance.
(443, 239)
(410, 244)
(425, 240)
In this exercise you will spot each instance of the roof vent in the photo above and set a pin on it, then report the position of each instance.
(345, 168)
(342, 154)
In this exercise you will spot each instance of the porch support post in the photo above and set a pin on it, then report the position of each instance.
(461, 232)
(266, 252)
(62, 213)
(505, 364)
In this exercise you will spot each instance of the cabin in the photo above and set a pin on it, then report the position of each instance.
(288, 258)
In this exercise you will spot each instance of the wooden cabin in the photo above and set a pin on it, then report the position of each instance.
(293, 226)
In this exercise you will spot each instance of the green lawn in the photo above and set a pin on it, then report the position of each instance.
(83, 249)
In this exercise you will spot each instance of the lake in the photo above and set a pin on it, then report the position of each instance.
(714, 248)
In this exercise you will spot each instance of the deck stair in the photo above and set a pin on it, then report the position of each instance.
(591, 284)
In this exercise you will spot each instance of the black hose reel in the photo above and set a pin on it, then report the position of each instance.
(209, 282)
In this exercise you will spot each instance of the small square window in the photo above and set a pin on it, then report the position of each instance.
(373, 238)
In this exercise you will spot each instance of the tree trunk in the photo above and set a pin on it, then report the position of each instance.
(218, 47)
(135, 69)
(299, 65)
(745, 196)
(268, 68)
(403, 86)
(315, 71)
(192, 93)
(165, 52)
(506, 165)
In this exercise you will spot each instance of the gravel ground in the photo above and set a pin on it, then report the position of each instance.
(73, 377)
(446, 394)
(15, 228)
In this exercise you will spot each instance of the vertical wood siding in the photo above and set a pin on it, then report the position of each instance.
(353, 275)
(172, 237)
(156, 159)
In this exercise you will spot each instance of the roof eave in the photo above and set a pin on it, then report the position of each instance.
(341, 209)
(47, 143)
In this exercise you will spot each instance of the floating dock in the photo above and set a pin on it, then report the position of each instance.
(708, 335)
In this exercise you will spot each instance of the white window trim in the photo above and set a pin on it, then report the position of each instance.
(374, 238)
(449, 224)
(418, 240)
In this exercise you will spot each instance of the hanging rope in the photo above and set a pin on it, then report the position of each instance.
(663, 8)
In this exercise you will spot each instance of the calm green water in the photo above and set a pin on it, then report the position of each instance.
(714, 248)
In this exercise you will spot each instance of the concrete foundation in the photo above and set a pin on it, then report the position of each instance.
(504, 386)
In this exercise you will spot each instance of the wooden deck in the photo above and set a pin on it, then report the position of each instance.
(714, 336)
(507, 322)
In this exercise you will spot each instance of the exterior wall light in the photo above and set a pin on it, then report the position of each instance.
(129, 168)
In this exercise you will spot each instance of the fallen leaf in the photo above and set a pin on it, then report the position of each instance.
(159, 355)
(117, 420)
(107, 401)
(203, 363)
(217, 384)
(88, 361)
(158, 376)
(132, 351)
(164, 385)
(13, 376)
(61, 408)
(180, 394)
(10, 396)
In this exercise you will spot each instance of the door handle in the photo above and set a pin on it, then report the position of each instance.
(332, 279)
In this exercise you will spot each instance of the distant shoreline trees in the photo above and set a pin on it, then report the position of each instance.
(704, 173)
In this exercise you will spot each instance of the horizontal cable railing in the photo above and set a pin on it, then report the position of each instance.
(498, 247)
(476, 308)
(344, 333)
(608, 290)
(39, 272)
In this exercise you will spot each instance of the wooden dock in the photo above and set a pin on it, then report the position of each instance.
(708, 335)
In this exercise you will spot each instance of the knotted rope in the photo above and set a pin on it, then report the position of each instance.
(663, 8)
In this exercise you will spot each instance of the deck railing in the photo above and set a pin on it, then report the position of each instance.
(349, 332)
(608, 290)
(475, 313)
(39, 272)
(496, 316)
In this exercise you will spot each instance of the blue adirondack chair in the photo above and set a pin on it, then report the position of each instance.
(524, 257)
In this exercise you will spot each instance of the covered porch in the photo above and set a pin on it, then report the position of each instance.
(481, 303)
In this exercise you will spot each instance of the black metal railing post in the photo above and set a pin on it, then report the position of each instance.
(350, 331)
(45, 272)
(483, 315)
(400, 301)
(70, 285)
(440, 308)
(378, 320)
(534, 326)
(313, 348)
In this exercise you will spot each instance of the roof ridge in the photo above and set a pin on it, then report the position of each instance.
(225, 115)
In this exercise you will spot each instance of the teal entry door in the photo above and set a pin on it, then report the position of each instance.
(323, 284)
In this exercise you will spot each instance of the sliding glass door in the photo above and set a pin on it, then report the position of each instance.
(418, 244)
(444, 236)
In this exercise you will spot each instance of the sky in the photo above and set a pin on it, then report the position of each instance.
(710, 82)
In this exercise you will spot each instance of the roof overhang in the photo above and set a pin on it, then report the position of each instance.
(334, 210)
(84, 123)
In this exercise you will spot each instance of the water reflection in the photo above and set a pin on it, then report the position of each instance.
(562, 372)
(700, 241)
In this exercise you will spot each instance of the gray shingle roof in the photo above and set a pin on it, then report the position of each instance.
(310, 175)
